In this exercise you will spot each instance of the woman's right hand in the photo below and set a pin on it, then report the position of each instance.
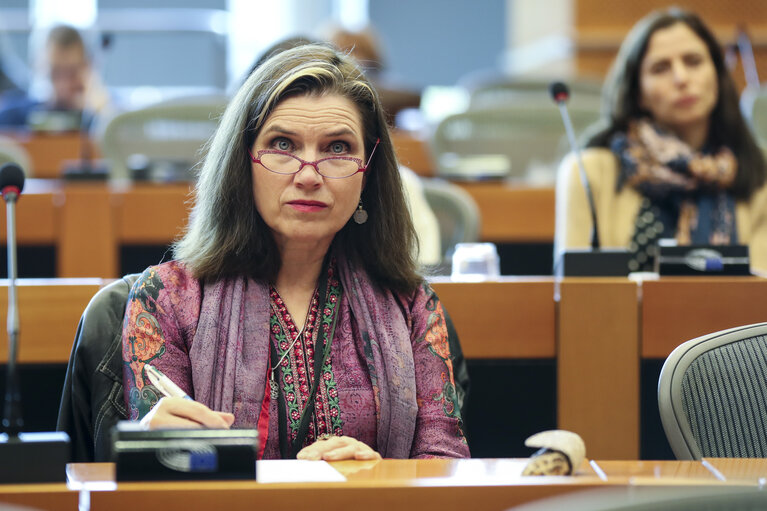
(177, 412)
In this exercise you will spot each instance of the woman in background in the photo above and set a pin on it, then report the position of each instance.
(673, 156)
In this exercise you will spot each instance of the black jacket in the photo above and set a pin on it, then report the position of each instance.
(93, 399)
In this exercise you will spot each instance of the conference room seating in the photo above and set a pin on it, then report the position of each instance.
(457, 214)
(753, 103)
(523, 140)
(165, 140)
(501, 91)
(712, 395)
(93, 398)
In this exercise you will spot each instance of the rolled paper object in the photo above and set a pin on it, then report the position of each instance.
(560, 453)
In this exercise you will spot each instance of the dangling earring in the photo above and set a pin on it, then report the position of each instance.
(360, 216)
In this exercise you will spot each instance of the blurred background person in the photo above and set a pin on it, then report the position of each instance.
(72, 86)
(673, 156)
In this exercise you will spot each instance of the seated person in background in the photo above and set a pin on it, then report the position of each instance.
(364, 47)
(73, 88)
(672, 157)
(293, 304)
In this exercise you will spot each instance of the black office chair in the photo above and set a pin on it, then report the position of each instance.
(93, 400)
(712, 395)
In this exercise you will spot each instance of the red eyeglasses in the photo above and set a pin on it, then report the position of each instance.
(333, 167)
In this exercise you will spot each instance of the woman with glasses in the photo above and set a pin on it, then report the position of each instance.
(292, 304)
(673, 156)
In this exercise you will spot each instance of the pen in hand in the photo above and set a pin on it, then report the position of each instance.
(163, 383)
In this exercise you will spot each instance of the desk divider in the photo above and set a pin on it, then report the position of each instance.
(598, 365)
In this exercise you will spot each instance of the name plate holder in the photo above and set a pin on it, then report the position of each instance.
(709, 260)
(183, 454)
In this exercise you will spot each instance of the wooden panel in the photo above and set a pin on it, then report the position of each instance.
(675, 310)
(52, 496)
(147, 214)
(602, 26)
(87, 244)
(48, 314)
(601, 13)
(598, 365)
(413, 151)
(507, 319)
(35, 219)
(49, 152)
(477, 484)
(513, 214)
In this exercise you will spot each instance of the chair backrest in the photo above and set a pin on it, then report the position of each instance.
(170, 133)
(492, 94)
(519, 139)
(754, 105)
(456, 212)
(712, 395)
(93, 397)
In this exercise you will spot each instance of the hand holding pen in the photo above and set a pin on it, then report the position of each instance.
(178, 410)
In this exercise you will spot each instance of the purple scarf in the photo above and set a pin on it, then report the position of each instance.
(230, 352)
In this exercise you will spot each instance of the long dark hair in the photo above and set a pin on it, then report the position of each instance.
(227, 237)
(621, 99)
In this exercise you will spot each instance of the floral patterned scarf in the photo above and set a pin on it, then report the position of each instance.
(685, 192)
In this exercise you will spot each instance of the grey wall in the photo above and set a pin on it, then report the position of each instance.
(434, 42)
(163, 43)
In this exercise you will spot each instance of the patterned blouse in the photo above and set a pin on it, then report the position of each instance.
(160, 325)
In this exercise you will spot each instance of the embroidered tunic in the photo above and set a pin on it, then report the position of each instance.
(162, 318)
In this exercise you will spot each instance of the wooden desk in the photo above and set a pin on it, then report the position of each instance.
(677, 309)
(607, 326)
(478, 484)
(510, 319)
(88, 222)
(599, 330)
(49, 311)
(49, 152)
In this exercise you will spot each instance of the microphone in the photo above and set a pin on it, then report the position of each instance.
(594, 262)
(560, 94)
(36, 457)
(11, 184)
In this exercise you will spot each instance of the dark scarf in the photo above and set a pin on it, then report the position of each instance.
(685, 192)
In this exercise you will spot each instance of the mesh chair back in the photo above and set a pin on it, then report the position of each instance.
(526, 136)
(171, 133)
(712, 395)
(456, 212)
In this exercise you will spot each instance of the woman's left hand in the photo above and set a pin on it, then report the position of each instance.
(338, 448)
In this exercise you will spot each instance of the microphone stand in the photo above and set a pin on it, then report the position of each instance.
(24, 457)
(595, 261)
(12, 418)
(595, 244)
